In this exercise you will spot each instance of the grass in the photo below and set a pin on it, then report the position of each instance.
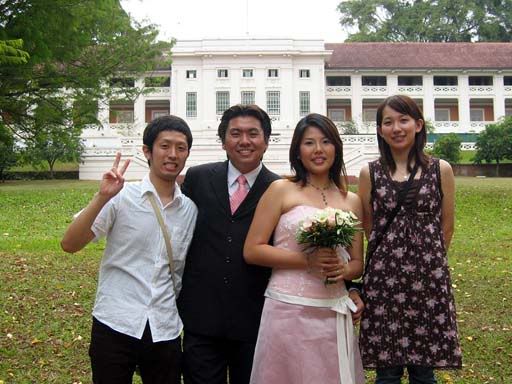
(466, 157)
(59, 166)
(46, 296)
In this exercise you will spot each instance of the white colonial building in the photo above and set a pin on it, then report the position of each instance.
(461, 87)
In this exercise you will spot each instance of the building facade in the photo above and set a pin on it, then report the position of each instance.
(461, 87)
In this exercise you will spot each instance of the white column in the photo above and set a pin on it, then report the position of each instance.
(429, 108)
(499, 97)
(139, 108)
(464, 115)
(392, 81)
(322, 106)
(104, 113)
(357, 100)
(174, 92)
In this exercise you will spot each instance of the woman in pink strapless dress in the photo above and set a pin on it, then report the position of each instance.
(306, 334)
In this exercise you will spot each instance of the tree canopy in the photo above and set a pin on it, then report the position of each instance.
(8, 155)
(11, 52)
(447, 147)
(427, 21)
(495, 143)
(70, 49)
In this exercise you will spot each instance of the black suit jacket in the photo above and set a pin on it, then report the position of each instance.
(222, 295)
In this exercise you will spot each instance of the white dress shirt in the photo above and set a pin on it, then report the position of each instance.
(233, 174)
(135, 284)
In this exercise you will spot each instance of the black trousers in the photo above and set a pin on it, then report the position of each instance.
(208, 360)
(115, 355)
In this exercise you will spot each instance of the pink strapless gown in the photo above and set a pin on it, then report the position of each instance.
(298, 344)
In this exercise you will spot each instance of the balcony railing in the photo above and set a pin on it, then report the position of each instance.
(446, 125)
(479, 125)
(463, 146)
(158, 91)
(124, 129)
(481, 89)
(338, 90)
(446, 89)
(370, 139)
(378, 89)
(410, 89)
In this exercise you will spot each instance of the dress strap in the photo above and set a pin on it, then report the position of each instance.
(437, 170)
(371, 169)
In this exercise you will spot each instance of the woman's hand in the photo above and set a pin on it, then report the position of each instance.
(337, 272)
(322, 262)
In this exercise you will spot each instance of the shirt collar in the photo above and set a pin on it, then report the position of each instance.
(147, 186)
(251, 176)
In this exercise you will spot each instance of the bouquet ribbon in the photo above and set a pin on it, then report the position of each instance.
(344, 328)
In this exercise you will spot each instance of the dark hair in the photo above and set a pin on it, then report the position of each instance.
(406, 106)
(165, 123)
(337, 172)
(240, 110)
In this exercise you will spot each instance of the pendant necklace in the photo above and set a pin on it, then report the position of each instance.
(321, 190)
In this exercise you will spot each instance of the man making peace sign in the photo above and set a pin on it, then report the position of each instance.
(135, 319)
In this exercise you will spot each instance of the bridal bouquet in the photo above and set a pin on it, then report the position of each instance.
(328, 227)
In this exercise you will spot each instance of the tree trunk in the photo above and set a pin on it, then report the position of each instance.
(51, 164)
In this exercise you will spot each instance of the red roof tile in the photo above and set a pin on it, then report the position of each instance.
(420, 55)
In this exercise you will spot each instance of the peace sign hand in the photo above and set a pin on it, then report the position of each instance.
(113, 180)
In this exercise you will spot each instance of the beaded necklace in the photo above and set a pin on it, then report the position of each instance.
(321, 190)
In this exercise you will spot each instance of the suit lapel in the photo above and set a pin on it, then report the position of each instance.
(219, 183)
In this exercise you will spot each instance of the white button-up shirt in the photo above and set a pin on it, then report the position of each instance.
(135, 284)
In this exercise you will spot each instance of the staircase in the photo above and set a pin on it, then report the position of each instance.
(100, 151)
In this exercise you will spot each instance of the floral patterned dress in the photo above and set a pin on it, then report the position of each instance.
(409, 316)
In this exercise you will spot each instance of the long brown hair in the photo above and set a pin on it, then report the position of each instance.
(406, 106)
(337, 172)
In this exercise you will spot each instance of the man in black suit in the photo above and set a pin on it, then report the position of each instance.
(222, 296)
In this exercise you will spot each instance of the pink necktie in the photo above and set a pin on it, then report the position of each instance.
(239, 195)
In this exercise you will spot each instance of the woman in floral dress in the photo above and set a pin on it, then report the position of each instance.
(409, 317)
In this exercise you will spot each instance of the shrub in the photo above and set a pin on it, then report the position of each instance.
(447, 147)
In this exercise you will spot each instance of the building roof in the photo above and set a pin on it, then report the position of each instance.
(420, 56)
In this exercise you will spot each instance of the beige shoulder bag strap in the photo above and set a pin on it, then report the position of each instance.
(167, 237)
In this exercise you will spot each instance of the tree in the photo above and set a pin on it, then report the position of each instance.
(75, 47)
(427, 21)
(8, 156)
(349, 127)
(54, 138)
(429, 126)
(447, 147)
(495, 143)
(11, 52)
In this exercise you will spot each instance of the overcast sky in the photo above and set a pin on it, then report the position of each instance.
(196, 19)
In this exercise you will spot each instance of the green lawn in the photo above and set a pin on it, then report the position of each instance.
(46, 295)
(59, 166)
(466, 157)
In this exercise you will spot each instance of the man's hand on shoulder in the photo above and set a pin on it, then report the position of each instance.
(356, 298)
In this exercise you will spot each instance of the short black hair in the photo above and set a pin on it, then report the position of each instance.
(241, 110)
(337, 172)
(165, 123)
